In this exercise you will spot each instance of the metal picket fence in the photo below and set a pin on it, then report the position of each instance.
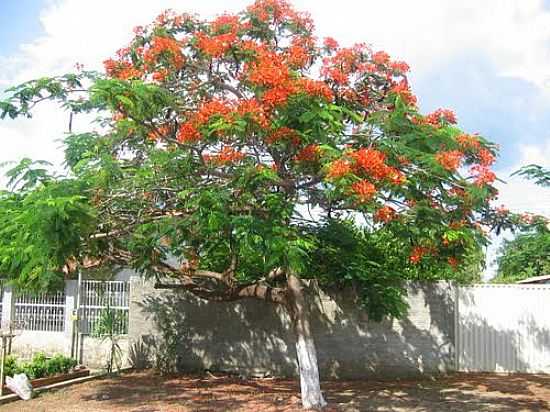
(96, 296)
(42, 312)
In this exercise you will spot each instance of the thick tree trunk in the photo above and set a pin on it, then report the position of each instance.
(312, 398)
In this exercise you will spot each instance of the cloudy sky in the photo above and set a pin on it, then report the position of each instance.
(487, 60)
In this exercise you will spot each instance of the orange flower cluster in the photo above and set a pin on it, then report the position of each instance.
(330, 43)
(385, 214)
(338, 169)
(224, 35)
(159, 132)
(254, 110)
(211, 108)
(457, 191)
(339, 67)
(277, 96)
(450, 160)
(486, 158)
(310, 153)
(468, 142)
(226, 155)
(299, 54)
(160, 75)
(189, 131)
(225, 23)
(121, 70)
(163, 46)
(440, 115)
(215, 46)
(399, 67)
(278, 11)
(457, 224)
(403, 90)
(417, 253)
(364, 190)
(169, 17)
(315, 88)
(381, 58)
(452, 261)
(373, 162)
(483, 175)
(268, 69)
(528, 218)
(160, 47)
(284, 133)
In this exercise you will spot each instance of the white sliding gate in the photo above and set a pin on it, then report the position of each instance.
(503, 328)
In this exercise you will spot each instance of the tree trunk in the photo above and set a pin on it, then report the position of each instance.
(312, 398)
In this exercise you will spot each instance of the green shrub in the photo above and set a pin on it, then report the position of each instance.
(11, 366)
(40, 366)
(59, 364)
(37, 367)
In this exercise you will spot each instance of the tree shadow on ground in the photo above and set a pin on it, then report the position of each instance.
(467, 393)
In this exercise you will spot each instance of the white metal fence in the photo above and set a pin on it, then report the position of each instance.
(43, 312)
(503, 328)
(97, 297)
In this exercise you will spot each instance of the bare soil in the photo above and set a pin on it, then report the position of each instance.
(147, 392)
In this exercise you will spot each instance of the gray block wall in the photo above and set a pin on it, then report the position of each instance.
(254, 338)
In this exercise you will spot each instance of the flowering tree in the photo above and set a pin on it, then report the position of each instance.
(259, 158)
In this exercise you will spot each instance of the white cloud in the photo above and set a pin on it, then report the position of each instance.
(519, 194)
(514, 34)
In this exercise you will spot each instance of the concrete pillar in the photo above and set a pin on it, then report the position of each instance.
(70, 306)
(7, 307)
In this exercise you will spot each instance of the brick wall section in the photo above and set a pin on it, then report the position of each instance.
(254, 338)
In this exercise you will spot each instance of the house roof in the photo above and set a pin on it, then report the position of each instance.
(535, 279)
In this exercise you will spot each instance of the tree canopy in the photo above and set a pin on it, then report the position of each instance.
(528, 254)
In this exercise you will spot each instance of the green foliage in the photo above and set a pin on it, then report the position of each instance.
(40, 366)
(41, 226)
(11, 366)
(539, 174)
(36, 368)
(376, 264)
(528, 254)
(525, 256)
(59, 364)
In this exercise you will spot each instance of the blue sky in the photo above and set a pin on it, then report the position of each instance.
(19, 23)
(487, 60)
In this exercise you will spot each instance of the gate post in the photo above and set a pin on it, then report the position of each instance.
(457, 326)
(7, 307)
(70, 304)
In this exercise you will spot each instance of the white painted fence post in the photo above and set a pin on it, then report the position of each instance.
(70, 306)
(7, 307)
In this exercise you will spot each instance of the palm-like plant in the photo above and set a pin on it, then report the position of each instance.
(108, 328)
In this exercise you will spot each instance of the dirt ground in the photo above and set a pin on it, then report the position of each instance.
(145, 392)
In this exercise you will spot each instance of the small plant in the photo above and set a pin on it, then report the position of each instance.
(36, 368)
(108, 328)
(59, 364)
(11, 367)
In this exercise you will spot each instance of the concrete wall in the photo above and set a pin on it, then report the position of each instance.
(254, 338)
